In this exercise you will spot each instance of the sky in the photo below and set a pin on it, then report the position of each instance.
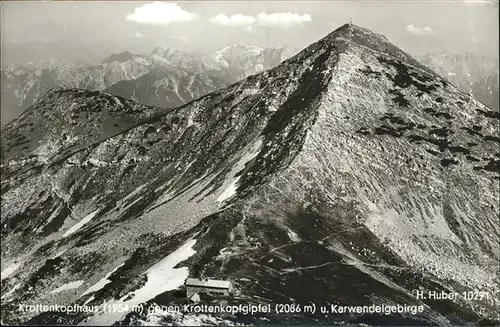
(92, 30)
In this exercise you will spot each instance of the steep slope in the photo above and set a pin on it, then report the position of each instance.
(477, 75)
(349, 168)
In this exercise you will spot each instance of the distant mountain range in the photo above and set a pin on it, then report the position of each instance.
(166, 87)
(477, 75)
(22, 87)
(166, 77)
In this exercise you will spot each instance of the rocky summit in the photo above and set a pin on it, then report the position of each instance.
(350, 174)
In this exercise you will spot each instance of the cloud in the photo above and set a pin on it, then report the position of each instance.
(284, 19)
(263, 19)
(233, 20)
(139, 35)
(417, 30)
(250, 29)
(160, 13)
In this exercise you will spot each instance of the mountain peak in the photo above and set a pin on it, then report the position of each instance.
(167, 52)
(64, 118)
(353, 35)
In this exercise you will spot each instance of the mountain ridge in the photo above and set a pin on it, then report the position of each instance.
(21, 87)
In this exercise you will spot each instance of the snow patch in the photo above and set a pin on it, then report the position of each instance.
(60, 253)
(272, 108)
(9, 293)
(250, 91)
(90, 299)
(100, 284)
(118, 102)
(219, 58)
(10, 270)
(79, 225)
(161, 277)
(180, 319)
(293, 236)
(67, 287)
(97, 162)
(51, 217)
(131, 195)
(247, 156)
(229, 191)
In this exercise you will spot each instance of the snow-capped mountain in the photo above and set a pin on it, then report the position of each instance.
(235, 53)
(231, 63)
(477, 75)
(178, 59)
(350, 174)
(180, 76)
(240, 60)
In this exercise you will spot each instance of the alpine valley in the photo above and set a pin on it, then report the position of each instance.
(348, 175)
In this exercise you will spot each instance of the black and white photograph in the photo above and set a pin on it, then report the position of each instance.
(250, 163)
